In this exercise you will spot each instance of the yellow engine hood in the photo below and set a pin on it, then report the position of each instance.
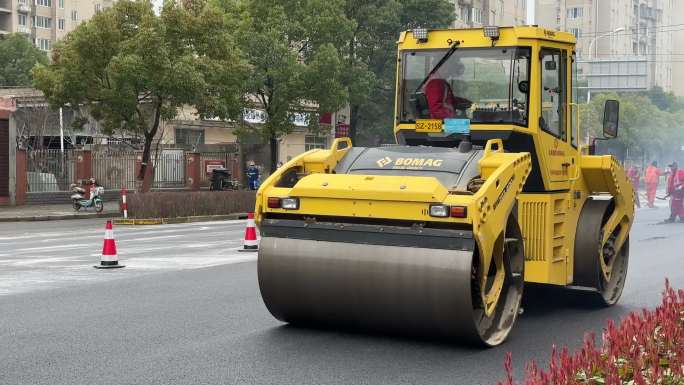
(371, 187)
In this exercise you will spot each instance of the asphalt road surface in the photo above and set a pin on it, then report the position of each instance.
(187, 309)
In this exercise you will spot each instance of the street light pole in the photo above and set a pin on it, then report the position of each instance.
(591, 53)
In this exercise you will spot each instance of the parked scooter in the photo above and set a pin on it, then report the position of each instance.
(79, 200)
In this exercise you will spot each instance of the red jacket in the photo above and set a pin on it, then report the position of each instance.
(441, 99)
(675, 181)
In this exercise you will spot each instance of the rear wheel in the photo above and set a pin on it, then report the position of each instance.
(498, 293)
(597, 266)
(77, 206)
(99, 206)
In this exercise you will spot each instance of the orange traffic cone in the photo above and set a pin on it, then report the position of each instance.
(109, 260)
(250, 243)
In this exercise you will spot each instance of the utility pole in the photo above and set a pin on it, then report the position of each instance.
(61, 131)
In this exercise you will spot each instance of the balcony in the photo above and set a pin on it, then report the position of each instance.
(23, 8)
(24, 29)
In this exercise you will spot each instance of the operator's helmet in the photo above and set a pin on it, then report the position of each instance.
(251, 163)
(92, 180)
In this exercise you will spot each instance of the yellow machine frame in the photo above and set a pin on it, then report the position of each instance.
(552, 188)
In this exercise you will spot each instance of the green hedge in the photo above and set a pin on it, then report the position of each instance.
(186, 204)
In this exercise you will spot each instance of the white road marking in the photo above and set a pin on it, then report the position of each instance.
(54, 247)
(50, 259)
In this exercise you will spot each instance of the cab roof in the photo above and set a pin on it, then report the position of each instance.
(475, 37)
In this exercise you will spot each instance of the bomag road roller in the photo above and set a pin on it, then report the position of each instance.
(487, 188)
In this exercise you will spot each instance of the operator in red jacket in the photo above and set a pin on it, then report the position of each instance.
(440, 96)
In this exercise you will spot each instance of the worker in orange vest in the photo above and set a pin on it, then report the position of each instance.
(651, 178)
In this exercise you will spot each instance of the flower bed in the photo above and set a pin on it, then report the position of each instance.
(647, 347)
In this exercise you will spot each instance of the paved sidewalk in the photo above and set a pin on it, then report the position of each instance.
(54, 212)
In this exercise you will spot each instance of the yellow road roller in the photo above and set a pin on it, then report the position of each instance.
(486, 188)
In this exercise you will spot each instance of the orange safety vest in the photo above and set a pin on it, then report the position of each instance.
(652, 175)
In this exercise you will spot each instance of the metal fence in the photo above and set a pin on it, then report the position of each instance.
(50, 170)
(53, 171)
(169, 169)
(116, 170)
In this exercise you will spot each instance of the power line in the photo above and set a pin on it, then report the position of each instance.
(642, 55)
(592, 34)
(631, 33)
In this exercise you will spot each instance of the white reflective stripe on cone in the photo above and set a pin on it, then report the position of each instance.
(109, 234)
(109, 258)
(250, 223)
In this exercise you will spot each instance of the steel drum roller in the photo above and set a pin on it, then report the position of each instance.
(419, 291)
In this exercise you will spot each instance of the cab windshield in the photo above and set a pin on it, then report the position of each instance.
(485, 85)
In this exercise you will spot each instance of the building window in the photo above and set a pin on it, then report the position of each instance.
(43, 22)
(74, 15)
(189, 137)
(22, 19)
(465, 14)
(60, 24)
(98, 7)
(44, 3)
(314, 141)
(44, 44)
(575, 12)
(575, 31)
(61, 4)
(477, 15)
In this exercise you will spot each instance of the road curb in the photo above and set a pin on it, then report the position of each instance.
(42, 218)
(171, 221)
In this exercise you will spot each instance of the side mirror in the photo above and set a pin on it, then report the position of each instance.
(611, 119)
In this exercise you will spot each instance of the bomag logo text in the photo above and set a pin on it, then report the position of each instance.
(418, 162)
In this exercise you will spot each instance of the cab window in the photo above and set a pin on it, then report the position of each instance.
(552, 118)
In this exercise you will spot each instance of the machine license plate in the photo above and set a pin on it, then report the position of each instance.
(429, 125)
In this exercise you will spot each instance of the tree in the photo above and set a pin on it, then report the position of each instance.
(131, 69)
(294, 65)
(370, 55)
(666, 101)
(644, 128)
(17, 59)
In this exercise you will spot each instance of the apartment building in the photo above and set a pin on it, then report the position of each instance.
(622, 45)
(46, 21)
(678, 51)
(476, 13)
